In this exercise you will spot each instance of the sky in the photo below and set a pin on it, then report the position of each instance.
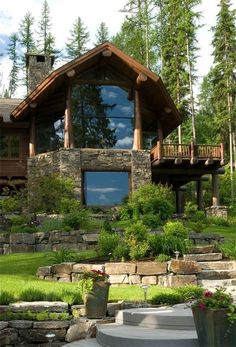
(92, 12)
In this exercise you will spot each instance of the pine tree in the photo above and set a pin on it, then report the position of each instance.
(77, 43)
(136, 37)
(102, 34)
(46, 41)
(13, 56)
(27, 42)
(224, 78)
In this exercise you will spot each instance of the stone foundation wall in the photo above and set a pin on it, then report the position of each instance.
(47, 241)
(217, 211)
(73, 162)
(168, 274)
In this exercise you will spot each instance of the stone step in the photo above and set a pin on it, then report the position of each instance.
(177, 317)
(204, 257)
(218, 265)
(83, 343)
(208, 284)
(216, 274)
(114, 335)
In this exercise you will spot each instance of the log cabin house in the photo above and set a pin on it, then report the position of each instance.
(102, 120)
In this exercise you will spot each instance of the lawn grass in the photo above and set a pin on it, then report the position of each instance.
(228, 232)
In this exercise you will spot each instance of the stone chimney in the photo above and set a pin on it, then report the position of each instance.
(38, 67)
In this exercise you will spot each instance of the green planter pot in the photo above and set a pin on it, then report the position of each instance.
(96, 300)
(213, 328)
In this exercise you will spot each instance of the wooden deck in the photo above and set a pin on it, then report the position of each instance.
(190, 152)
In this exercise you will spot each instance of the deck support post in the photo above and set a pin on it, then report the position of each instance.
(159, 140)
(68, 133)
(137, 145)
(179, 199)
(199, 194)
(215, 190)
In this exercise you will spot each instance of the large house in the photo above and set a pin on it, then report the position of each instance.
(100, 119)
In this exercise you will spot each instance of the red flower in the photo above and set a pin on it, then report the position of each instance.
(202, 306)
(208, 294)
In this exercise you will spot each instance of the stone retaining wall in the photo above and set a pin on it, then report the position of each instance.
(168, 274)
(47, 241)
(14, 333)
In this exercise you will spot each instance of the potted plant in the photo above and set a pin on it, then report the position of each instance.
(94, 285)
(214, 316)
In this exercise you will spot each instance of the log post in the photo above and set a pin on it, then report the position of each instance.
(199, 194)
(215, 190)
(32, 139)
(159, 139)
(68, 133)
(138, 122)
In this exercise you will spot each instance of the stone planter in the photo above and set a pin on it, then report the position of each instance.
(96, 300)
(213, 328)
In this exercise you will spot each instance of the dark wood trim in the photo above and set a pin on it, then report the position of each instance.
(103, 82)
(15, 125)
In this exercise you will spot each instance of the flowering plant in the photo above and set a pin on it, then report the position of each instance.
(89, 277)
(216, 300)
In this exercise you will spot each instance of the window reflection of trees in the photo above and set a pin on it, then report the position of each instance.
(90, 118)
(50, 135)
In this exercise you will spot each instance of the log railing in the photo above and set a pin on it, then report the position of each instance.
(183, 151)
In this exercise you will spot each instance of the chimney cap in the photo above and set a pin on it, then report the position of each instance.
(40, 55)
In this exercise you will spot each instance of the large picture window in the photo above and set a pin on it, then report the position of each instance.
(102, 117)
(49, 134)
(105, 188)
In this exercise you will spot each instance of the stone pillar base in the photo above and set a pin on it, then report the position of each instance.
(217, 211)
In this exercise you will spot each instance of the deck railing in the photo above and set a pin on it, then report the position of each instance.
(183, 151)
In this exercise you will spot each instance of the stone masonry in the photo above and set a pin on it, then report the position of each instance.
(73, 162)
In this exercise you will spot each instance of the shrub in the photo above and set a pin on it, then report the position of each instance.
(175, 228)
(34, 294)
(69, 205)
(162, 258)
(6, 298)
(135, 233)
(197, 220)
(167, 244)
(228, 249)
(23, 229)
(62, 255)
(76, 219)
(107, 243)
(9, 204)
(71, 297)
(121, 251)
(219, 221)
(51, 225)
(177, 295)
(150, 199)
(138, 250)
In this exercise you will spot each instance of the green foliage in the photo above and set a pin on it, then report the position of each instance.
(71, 297)
(175, 228)
(162, 258)
(228, 249)
(220, 221)
(76, 219)
(135, 232)
(107, 243)
(121, 252)
(197, 220)
(6, 298)
(138, 250)
(9, 204)
(149, 199)
(177, 295)
(69, 205)
(23, 229)
(62, 255)
(35, 316)
(48, 193)
(77, 43)
(34, 294)
(167, 244)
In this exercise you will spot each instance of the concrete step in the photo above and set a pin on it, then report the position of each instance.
(204, 257)
(114, 335)
(83, 343)
(216, 274)
(177, 317)
(218, 265)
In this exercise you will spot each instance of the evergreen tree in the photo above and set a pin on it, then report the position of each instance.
(26, 40)
(102, 34)
(46, 41)
(136, 37)
(13, 56)
(77, 43)
(224, 77)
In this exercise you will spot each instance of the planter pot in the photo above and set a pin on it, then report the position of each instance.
(96, 300)
(213, 328)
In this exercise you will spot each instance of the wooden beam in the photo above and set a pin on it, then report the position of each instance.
(70, 73)
(138, 122)
(68, 133)
(140, 79)
(199, 194)
(215, 190)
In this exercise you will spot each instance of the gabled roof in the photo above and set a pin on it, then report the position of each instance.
(156, 98)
